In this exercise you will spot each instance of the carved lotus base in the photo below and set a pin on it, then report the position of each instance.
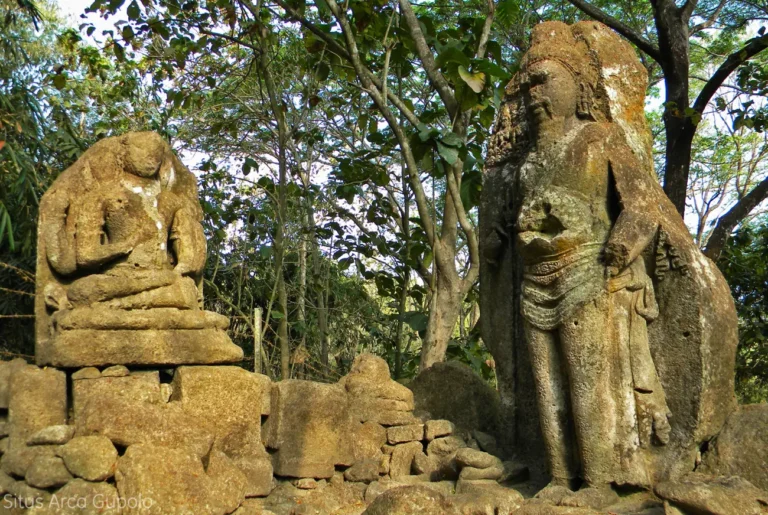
(101, 347)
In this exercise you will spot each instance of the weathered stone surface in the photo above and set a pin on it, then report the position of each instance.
(20, 494)
(134, 299)
(445, 447)
(485, 497)
(619, 319)
(368, 440)
(92, 458)
(306, 483)
(409, 433)
(129, 410)
(410, 500)
(472, 458)
(235, 424)
(173, 481)
(486, 442)
(363, 471)
(374, 396)
(47, 472)
(472, 473)
(548, 509)
(309, 429)
(698, 493)
(437, 428)
(52, 435)
(741, 448)
(402, 458)
(6, 369)
(80, 497)
(38, 399)
(471, 405)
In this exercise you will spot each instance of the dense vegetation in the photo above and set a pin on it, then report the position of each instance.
(340, 149)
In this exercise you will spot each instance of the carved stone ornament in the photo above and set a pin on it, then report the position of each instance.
(614, 336)
(120, 258)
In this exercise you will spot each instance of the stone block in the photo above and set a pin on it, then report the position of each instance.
(402, 458)
(6, 369)
(369, 437)
(83, 498)
(129, 410)
(234, 424)
(437, 428)
(89, 347)
(309, 429)
(407, 500)
(38, 399)
(173, 481)
(409, 433)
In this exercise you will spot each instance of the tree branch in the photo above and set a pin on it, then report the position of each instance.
(709, 21)
(733, 61)
(428, 60)
(626, 31)
(469, 231)
(731, 219)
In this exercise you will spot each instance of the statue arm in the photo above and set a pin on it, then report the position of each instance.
(633, 230)
(91, 252)
(188, 243)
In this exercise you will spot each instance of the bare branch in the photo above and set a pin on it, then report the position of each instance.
(733, 61)
(728, 222)
(709, 21)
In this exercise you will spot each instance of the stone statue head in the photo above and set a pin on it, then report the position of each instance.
(584, 70)
(145, 152)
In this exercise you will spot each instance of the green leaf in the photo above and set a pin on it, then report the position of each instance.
(476, 81)
(452, 55)
(119, 51)
(416, 320)
(133, 11)
(249, 164)
(452, 139)
(450, 154)
(60, 81)
(127, 33)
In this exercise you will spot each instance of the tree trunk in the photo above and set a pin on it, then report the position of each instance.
(443, 314)
(672, 27)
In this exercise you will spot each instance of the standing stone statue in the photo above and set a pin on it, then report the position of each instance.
(121, 253)
(622, 336)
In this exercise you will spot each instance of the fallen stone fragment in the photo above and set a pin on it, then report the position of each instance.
(478, 459)
(229, 483)
(437, 428)
(52, 435)
(445, 447)
(724, 495)
(47, 472)
(363, 471)
(402, 458)
(409, 433)
(115, 371)
(6, 369)
(485, 498)
(514, 471)
(92, 458)
(410, 500)
(493, 472)
(306, 483)
(86, 373)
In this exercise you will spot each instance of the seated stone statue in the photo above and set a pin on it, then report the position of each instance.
(628, 332)
(121, 253)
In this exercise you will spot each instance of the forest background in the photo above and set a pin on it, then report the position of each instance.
(339, 150)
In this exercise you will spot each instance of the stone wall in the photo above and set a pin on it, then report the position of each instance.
(220, 439)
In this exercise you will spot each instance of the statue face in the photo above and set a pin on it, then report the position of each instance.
(550, 92)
